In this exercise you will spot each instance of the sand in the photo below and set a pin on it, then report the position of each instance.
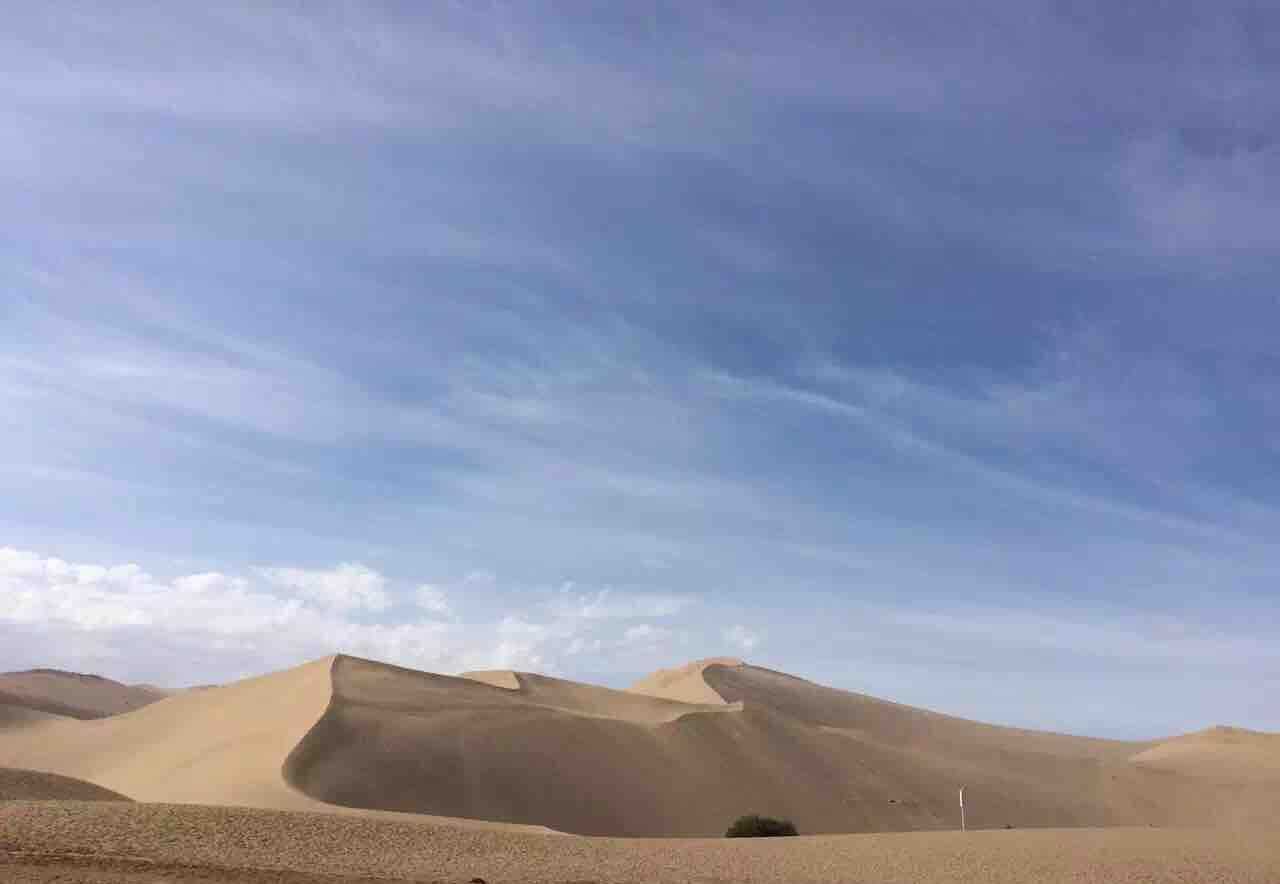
(12, 715)
(530, 753)
(218, 746)
(498, 678)
(522, 748)
(73, 694)
(152, 843)
(685, 683)
(34, 785)
(1220, 754)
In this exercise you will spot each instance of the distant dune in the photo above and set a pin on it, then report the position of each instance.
(683, 753)
(11, 715)
(685, 683)
(1222, 754)
(71, 694)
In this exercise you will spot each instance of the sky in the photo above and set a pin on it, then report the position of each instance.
(920, 351)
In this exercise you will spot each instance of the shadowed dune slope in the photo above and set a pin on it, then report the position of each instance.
(35, 785)
(556, 753)
(13, 715)
(73, 694)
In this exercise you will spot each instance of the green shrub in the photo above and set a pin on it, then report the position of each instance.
(756, 826)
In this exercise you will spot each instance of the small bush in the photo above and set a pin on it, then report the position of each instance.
(756, 826)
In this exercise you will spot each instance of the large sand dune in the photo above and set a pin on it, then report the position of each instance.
(348, 734)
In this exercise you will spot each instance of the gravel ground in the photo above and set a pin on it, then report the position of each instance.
(78, 870)
(107, 842)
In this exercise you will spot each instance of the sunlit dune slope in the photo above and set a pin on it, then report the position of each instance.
(1226, 754)
(1235, 772)
(73, 694)
(685, 683)
(499, 678)
(223, 745)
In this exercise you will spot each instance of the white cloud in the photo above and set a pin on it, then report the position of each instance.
(743, 638)
(209, 626)
(208, 581)
(15, 563)
(432, 598)
(349, 586)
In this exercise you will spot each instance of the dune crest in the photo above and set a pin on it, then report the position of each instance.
(685, 683)
(499, 678)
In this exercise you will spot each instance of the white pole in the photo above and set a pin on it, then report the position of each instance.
(963, 828)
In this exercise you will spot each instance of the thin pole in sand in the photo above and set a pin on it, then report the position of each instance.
(963, 828)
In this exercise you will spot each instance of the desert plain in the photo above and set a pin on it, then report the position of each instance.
(344, 770)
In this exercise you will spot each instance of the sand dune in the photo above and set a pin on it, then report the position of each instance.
(12, 715)
(73, 694)
(685, 683)
(223, 745)
(34, 785)
(518, 748)
(1223, 754)
(499, 678)
(552, 752)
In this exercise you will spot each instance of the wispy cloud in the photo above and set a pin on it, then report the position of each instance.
(608, 604)
(432, 599)
(743, 638)
(349, 586)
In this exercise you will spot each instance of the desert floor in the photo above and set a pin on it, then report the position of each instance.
(120, 842)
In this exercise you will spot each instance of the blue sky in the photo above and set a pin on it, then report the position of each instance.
(925, 353)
